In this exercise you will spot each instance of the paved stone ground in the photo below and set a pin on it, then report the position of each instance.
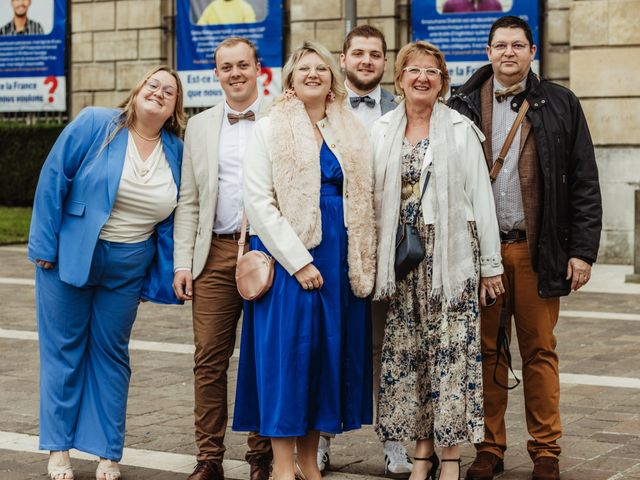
(601, 424)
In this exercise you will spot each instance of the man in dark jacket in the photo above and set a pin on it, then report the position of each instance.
(550, 216)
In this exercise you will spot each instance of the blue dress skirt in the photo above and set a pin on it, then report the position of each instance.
(305, 357)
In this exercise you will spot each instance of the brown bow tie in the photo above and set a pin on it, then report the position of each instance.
(236, 117)
(513, 90)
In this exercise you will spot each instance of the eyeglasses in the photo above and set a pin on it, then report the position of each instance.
(320, 68)
(154, 85)
(517, 47)
(431, 72)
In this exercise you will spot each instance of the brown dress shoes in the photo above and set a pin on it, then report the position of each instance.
(485, 466)
(260, 470)
(546, 468)
(207, 470)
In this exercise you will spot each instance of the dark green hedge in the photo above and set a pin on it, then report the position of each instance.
(23, 149)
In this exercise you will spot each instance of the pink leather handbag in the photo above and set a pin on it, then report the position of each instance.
(254, 269)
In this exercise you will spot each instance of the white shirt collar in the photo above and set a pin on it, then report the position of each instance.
(254, 107)
(376, 93)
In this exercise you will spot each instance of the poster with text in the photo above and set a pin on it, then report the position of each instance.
(32, 56)
(460, 28)
(202, 24)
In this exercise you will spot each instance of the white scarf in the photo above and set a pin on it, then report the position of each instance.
(452, 257)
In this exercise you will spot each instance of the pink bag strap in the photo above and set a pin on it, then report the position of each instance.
(243, 235)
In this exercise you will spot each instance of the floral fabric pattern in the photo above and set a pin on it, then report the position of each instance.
(431, 373)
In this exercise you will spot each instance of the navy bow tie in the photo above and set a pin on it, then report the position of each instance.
(368, 101)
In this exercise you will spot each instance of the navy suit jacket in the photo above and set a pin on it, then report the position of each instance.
(75, 195)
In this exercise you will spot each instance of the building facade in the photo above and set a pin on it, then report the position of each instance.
(591, 46)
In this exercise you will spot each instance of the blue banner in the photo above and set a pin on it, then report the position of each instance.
(200, 27)
(460, 28)
(32, 56)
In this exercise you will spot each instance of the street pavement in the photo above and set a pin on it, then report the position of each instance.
(598, 342)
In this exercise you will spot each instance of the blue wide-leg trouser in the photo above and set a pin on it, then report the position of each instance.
(84, 349)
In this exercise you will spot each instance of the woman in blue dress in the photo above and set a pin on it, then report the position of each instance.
(305, 361)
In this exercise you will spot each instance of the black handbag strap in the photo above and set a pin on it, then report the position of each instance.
(502, 344)
(424, 189)
(426, 182)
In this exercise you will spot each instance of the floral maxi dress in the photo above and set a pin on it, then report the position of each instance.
(431, 372)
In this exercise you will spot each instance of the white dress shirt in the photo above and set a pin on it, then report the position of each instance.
(365, 113)
(232, 145)
(506, 188)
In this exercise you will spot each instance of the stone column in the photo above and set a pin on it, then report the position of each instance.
(114, 43)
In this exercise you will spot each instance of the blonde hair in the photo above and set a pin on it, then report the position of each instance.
(337, 82)
(174, 124)
(421, 47)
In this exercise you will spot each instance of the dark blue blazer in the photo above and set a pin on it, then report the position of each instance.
(76, 192)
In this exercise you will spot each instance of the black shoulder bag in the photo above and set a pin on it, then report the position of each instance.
(409, 249)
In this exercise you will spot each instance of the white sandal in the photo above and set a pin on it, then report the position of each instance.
(59, 467)
(108, 470)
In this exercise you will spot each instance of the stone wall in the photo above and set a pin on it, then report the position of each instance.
(591, 46)
(603, 70)
(324, 21)
(113, 43)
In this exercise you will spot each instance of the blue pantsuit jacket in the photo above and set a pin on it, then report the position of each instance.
(76, 192)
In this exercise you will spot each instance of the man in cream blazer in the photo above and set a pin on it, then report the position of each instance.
(206, 232)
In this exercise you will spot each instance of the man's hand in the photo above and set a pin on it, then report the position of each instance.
(579, 272)
(491, 286)
(183, 285)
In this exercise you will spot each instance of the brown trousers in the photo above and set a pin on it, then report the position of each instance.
(216, 310)
(534, 319)
(378, 321)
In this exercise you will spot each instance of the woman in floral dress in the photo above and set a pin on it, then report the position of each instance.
(431, 377)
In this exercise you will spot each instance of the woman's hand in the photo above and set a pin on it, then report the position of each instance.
(44, 264)
(491, 286)
(309, 277)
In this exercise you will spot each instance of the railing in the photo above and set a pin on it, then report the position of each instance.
(31, 118)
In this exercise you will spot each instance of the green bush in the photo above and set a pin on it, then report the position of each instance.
(22, 153)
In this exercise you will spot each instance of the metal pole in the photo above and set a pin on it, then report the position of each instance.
(635, 276)
(350, 15)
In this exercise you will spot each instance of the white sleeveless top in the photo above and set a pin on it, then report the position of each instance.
(146, 196)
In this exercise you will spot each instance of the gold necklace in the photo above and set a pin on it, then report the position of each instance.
(143, 137)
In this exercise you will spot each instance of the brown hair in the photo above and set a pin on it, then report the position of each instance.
(232, 42)
(366, 31)
(337, 82)
(174, 124)
(421, 48)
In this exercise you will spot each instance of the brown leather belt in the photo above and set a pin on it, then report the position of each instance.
(513, 236)
(227, 236)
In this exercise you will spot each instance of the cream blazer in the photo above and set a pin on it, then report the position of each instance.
(478, 195)
(260, 203)
(194, 215)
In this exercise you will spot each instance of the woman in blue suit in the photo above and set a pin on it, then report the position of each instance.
(102, 239)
